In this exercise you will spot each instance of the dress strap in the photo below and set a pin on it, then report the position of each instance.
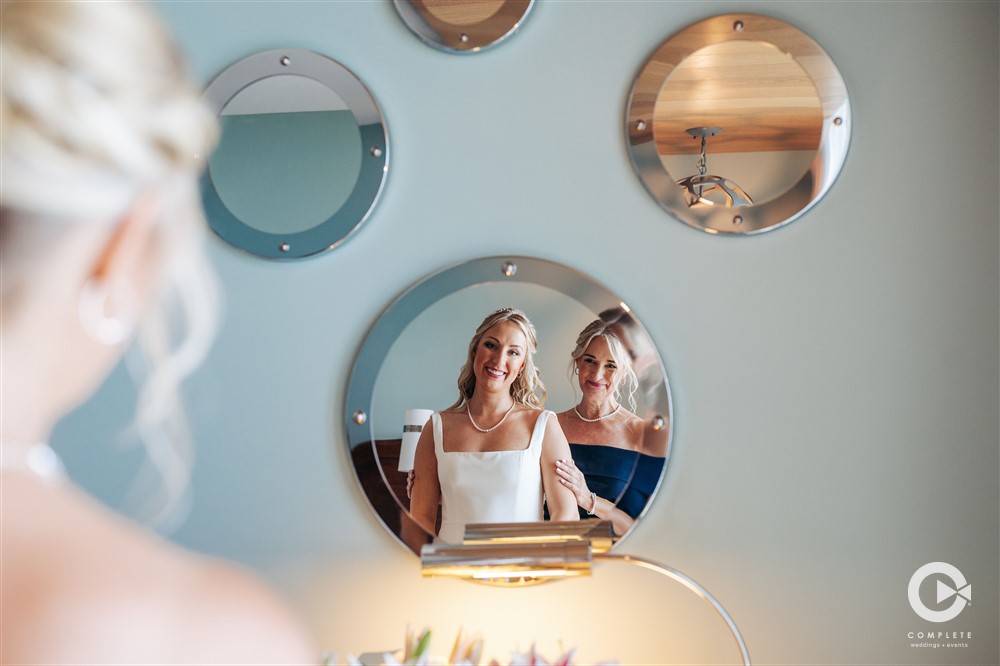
(538, 433)
(438, 432)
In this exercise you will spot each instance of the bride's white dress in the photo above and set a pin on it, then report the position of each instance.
(489, 487)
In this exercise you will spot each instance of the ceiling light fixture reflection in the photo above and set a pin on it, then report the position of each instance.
(708, 189)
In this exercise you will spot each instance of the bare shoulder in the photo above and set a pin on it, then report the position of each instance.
(116, 593)
(654, 441)
(241, 618)
(531, 416)
(525, 416)
(634, 432)
(635, 423)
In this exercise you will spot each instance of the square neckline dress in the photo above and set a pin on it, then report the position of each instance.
(489, 486)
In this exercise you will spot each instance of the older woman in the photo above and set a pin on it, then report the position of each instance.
(616, 461)
(490, 457)
(100, 221)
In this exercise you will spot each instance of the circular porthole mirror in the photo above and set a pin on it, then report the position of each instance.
(302, 157)
(463, 26)
(412, 356)
(738, 124)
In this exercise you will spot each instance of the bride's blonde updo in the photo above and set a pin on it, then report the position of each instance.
(96, 111)
(88, 121)
(528, 388)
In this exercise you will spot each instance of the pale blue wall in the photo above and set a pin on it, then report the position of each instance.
(835, 381)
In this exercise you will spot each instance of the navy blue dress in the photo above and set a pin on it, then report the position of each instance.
(627, 478)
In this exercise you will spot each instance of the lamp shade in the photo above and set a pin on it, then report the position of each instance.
(413, 424)
(599, 533)
(507, 564)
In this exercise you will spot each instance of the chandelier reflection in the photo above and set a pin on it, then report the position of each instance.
(707, 189)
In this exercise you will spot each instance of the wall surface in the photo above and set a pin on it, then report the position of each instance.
(835, 381)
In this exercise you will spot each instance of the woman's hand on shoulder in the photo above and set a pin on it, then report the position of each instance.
(571, 477)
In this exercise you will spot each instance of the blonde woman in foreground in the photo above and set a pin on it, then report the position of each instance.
(99, 223)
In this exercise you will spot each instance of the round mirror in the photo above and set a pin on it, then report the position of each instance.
(302, 156)
(411, 359)
(738, 124)
(463, 26)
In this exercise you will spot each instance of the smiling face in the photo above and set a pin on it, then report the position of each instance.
(597, 370)
(500, 356)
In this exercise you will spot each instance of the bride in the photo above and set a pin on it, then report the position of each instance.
(490, 457)
(99, 219)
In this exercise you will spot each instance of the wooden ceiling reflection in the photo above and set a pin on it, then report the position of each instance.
(761, 98)
(471, 24)
(463, 12)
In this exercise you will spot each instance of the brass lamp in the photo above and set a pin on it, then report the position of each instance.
(507, 564)
(497, 554)
(599, 533)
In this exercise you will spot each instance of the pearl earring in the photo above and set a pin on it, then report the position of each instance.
(107, 310)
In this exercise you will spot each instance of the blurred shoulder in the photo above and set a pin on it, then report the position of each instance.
(241, 618)
(114, 592)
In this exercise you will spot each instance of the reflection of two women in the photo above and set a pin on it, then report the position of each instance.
(491, 456)
(496, 456)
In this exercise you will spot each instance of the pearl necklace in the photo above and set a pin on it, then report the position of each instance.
(36, 459)
(474, 425)
(599, 418)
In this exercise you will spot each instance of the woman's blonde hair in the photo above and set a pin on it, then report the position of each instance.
(97, 110)
(527, 388)
(624, 376)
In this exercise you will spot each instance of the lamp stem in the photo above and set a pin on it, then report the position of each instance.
(691, 585)
(703, 162)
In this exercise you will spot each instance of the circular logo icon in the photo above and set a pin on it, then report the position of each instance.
(959, 589)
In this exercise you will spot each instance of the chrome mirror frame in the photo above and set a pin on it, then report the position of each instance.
(374, 159)
(463, 38)
(830, 155)
(360, 411)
